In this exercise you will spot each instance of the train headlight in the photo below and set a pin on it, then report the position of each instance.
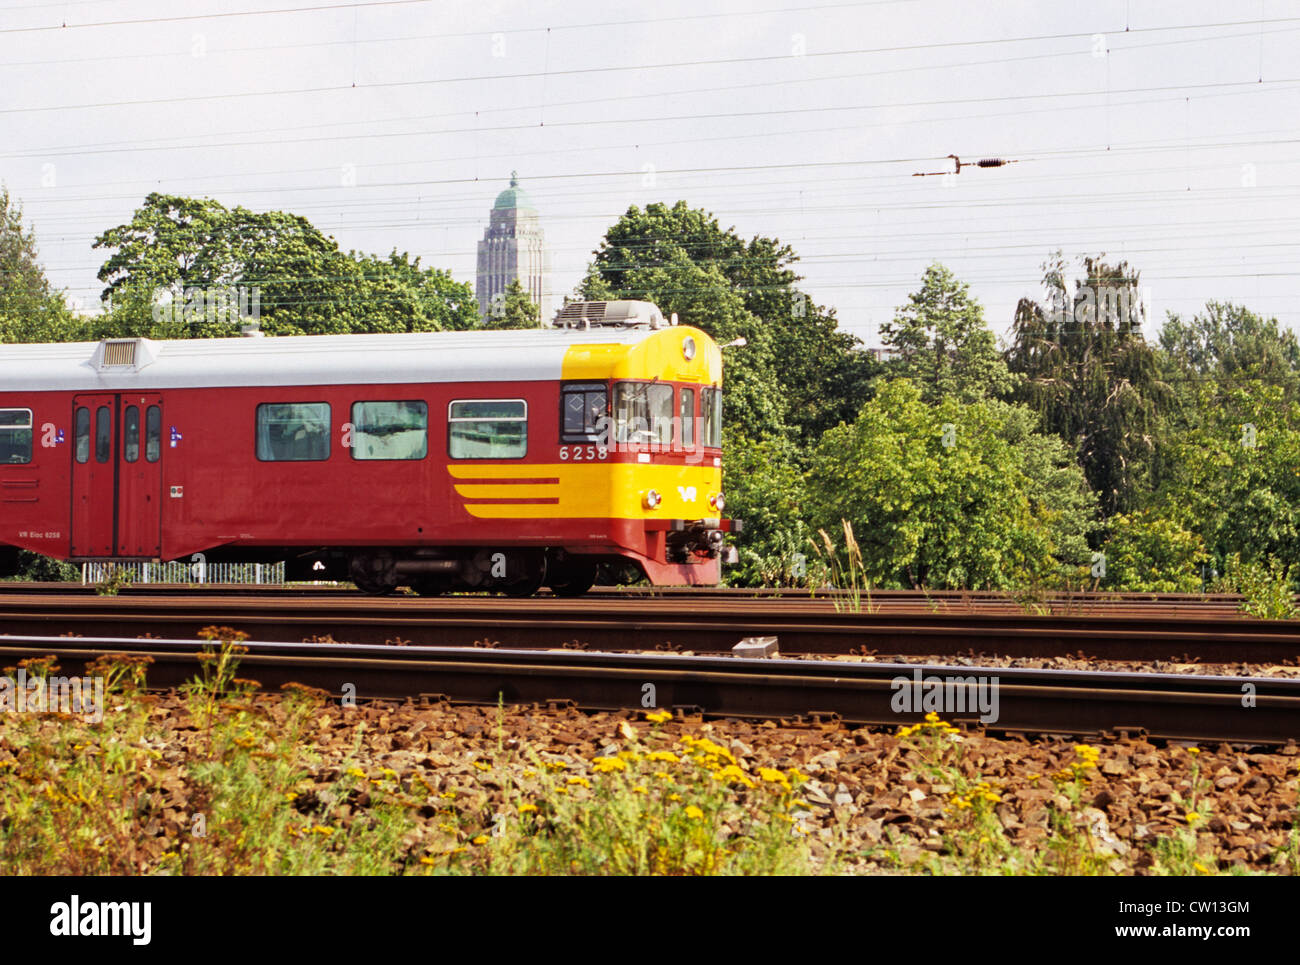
(688, 348)
(651, 499)
(718, 502)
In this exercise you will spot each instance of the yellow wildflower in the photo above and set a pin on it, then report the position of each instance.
(356, 772)
(481, 839)
(603, 765)
(733, 775)
(659, 716)
(527, 807)
(482, 766)
(693, 812)
(1192, 817)
(582, 781)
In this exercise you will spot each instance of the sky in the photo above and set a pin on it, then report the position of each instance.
(1160, 133)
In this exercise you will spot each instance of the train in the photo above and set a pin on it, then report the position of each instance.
(443, 462)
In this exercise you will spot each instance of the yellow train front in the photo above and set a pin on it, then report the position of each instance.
(635, 471)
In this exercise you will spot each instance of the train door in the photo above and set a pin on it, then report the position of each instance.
(94, 475)
(139, 515)
(116, 476)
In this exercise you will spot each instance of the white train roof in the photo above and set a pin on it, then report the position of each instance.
(140, 364)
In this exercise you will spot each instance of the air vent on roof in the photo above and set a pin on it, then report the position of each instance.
(632, 314)
(122, 355)
(119, 353)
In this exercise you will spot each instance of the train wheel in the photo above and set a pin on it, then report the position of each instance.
(530, 568)
(374, 575)
(574, 579)
(374, 589)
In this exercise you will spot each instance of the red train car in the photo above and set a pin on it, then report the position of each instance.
(494, 460)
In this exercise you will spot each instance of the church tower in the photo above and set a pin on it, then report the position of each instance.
(513, 247)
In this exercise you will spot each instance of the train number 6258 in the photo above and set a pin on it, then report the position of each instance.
(583, 453)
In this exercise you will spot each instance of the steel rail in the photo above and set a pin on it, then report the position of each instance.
(1256, 711)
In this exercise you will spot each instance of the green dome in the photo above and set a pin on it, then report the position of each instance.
(513, 196)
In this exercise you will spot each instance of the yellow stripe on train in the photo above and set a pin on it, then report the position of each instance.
(585, 491)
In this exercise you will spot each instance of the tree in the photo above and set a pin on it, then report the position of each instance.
(181, 265)
(1234, 478)
(765, 488)
(1090, 374)
(940, 495)
(1231, 343)
(30, 309)
(1149, 553)
(943, 343)
(797, 375)
(517, 310)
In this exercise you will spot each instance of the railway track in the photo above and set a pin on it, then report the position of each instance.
(698, 624)
(1039, 702)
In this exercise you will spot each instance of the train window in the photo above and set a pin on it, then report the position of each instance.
(15, 436)
(131, 434)
(686, 409)
(153, 434)
(82, 434)
(487, 429)
(711, 417)
(103, 434)
(583, 412)
(390, 430)
(643, 412)
(293, 431)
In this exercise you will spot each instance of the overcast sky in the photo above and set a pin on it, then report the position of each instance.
(1164, 133)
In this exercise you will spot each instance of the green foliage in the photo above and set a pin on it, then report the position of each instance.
(657, 806)
(797, 375)
(764, 486)
(1231, 344)
(35, 568)
(936, 493)
(1090, 374)
(1151, 553)
(177, 248)
(1232, 474)
(943, 343)
(125, 795)
(517, 310)
(30, 309)
(1266, 586)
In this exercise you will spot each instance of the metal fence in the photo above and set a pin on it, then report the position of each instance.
(252, 574)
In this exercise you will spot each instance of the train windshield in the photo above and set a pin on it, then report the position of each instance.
(711, 417)
(643, 413)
